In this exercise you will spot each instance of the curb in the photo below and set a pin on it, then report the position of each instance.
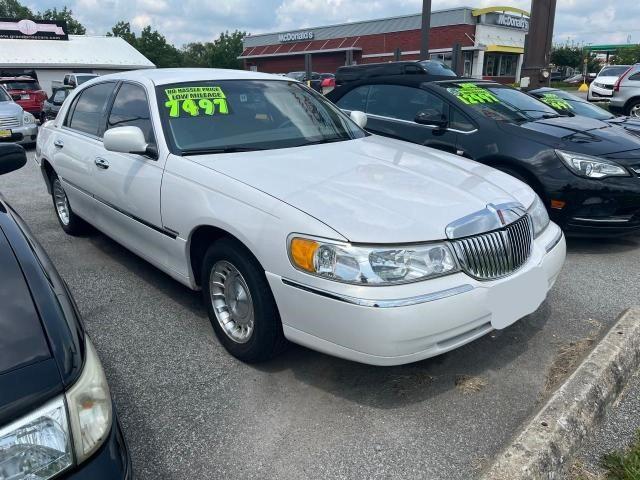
(555, 434)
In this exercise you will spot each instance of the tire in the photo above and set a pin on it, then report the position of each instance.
(633, 109)
(68, 220)
(240, 303)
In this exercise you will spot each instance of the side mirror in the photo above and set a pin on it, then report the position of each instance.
(12, 157)
(432, 118)
(359, 118)
(15, 97)
(126, 140)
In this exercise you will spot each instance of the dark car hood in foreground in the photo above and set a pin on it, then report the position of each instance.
(579, 134)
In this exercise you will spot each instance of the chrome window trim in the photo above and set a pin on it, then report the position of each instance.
(393, 303)
(409, 122)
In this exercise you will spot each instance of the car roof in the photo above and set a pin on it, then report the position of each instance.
(163, 76)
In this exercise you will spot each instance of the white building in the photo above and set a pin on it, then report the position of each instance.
(50, 58)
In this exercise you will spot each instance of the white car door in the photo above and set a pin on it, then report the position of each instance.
(127, 186)
(77, 141)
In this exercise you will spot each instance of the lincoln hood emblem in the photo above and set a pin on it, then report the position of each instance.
(493, 217)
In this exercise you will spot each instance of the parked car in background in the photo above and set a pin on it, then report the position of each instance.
(580, 78)
(52, 105)
(626, 93)
(16, 125)
(294, 222)
(602, 86)
(314, 82)
(327, 83)
(56, 412)
(565, 102)
(354, 73)
(75, 79)
(27, 93)
(585, 170)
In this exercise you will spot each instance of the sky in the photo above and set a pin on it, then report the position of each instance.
(184, 21)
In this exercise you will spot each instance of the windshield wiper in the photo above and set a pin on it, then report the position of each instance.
(211, 151)
(325, 140)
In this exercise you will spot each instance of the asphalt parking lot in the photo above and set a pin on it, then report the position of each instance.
(189, 410)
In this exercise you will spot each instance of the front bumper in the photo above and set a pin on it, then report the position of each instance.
(29, 134)
(110, 462)
(599, 93)
(408, 323)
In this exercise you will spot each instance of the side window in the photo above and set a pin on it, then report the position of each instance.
(87, 116)
(131, 108)
(356, 99)
(413, 69)
(399, 101)
(459, 121)
(59, 96)
(635, 77)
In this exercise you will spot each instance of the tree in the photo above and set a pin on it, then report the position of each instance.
(221, 53)
(567, 56)
(154, 46)
(123, 30)
(13, 9)
(627, 55)
(197, 54)
(74, 27)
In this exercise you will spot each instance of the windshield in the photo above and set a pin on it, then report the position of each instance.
(80, 79)
(613, 71)
(565, 102)
(437, 68)
(21, 85)
(241, 115)
(498, 102)
(4, 96)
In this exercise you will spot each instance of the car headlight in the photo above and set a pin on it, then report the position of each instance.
(90, 409)
(591, 167)
(539, 216)
(27, 118)
(37, 446)
(360, 265)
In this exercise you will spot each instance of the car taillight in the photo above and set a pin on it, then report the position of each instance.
(616, 86)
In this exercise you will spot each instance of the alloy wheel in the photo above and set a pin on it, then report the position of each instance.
(231, 301)
(61, 202)
(635, 111)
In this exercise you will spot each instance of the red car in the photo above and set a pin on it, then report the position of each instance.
(27, 93)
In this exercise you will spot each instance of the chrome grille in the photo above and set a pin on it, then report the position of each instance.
(496, 254)
(9, 121)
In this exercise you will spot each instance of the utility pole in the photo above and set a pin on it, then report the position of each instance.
(424, 31)
(537, 45)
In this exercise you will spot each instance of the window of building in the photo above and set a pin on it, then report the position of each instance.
(500, 64)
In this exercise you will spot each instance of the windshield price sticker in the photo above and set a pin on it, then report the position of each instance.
(555, 102)
(472, 94)
(195, 101)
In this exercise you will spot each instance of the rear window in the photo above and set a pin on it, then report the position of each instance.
(436, 68)
(21, 85)
(612, 71)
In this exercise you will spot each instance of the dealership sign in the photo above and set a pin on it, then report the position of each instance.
(33, 30)
(295, 36)
(512, 21)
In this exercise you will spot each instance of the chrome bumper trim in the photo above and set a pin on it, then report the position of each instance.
(400, 302)
(554, 242)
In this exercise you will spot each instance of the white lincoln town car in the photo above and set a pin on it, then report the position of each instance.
(294, 222)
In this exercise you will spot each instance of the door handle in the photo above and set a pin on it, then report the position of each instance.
(58, 143)
(101, 163)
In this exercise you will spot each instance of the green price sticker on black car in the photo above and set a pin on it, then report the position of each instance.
(555, 102)
(196, 101)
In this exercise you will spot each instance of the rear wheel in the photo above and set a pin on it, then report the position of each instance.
(69, 221)
(633, 109)
(240, 304)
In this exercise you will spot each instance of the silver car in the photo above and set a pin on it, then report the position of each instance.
(626, 93)
(16, 125)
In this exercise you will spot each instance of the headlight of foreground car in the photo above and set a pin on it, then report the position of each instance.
(38, 445)
(591, 167)
(28, 119)
(90, 410)
(539, 216)
(371, 265)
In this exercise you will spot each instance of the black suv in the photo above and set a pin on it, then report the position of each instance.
(56, 413)
(354, 73)
(585, 170)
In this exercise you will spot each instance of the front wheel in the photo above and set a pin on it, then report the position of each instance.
(69, 221)
(240, 304)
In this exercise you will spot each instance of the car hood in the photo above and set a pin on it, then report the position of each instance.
(606, 80)
(374, 189)
(10, 108)
(579, 134)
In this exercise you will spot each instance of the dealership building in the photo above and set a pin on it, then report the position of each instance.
(492, 41)
(45, 51)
